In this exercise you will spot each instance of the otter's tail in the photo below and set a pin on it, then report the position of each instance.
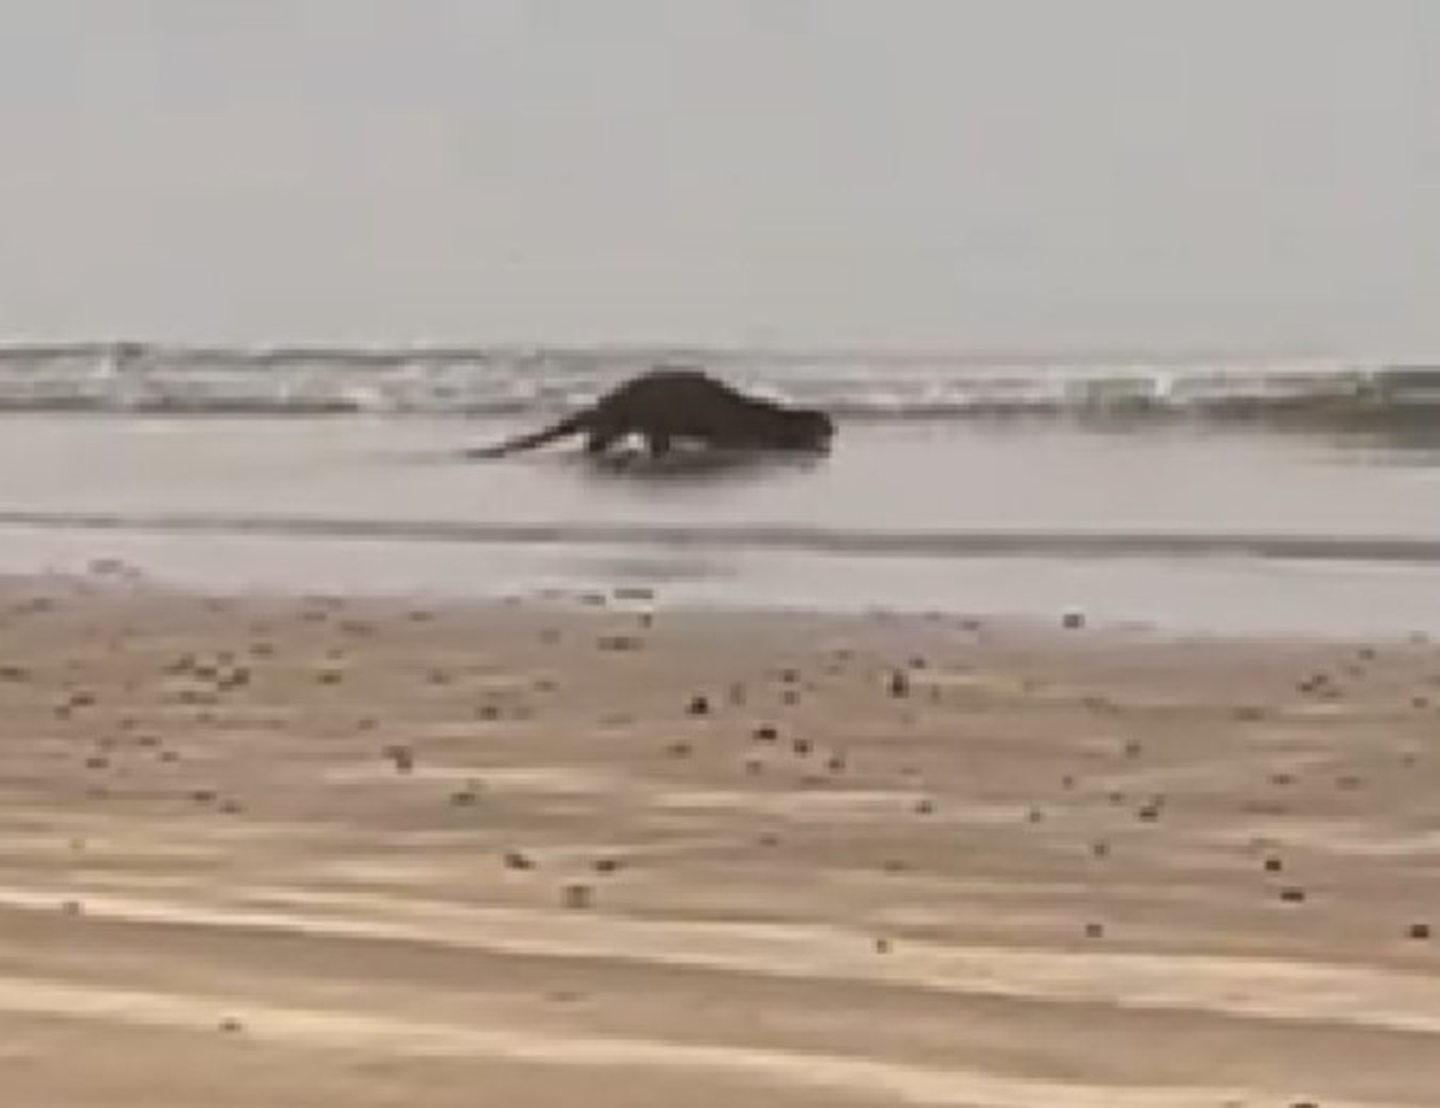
(565, 427)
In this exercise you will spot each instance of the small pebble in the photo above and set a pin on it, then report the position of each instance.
(578, 896)
(402, 756)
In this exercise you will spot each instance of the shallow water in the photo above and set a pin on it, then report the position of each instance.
(1221, 528)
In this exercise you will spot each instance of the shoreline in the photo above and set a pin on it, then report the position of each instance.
(1217, 597)
(264, 848)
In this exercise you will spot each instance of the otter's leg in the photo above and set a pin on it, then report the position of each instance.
(601, 439)
(658, 443)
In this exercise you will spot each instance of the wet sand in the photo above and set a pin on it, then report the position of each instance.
(264, 851)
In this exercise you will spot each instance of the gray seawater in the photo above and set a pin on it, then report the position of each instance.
(1285, 499)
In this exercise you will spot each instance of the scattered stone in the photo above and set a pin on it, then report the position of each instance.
(402, 756)
(924, 806)
(607, 865)
(1419, 931)
(515, 859)
(578, 896)
(1274, 865)
(1094, 930)
(699, 706)
(230, 1025)
(882, 946)
(1073, 619)
(765, 733)
(899, 683)
(1293, 894)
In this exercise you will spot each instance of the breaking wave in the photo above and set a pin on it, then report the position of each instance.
(134, 378)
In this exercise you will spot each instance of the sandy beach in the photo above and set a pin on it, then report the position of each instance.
(264, 851)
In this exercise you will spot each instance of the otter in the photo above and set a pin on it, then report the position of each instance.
(666, 405)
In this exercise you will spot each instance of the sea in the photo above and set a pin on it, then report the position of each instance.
(1211, 494)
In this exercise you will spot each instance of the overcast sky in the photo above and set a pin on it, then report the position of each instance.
(918, 173)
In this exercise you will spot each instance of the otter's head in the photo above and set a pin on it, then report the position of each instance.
(806, 429)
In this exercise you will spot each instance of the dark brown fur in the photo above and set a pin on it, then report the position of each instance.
(669, 405)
